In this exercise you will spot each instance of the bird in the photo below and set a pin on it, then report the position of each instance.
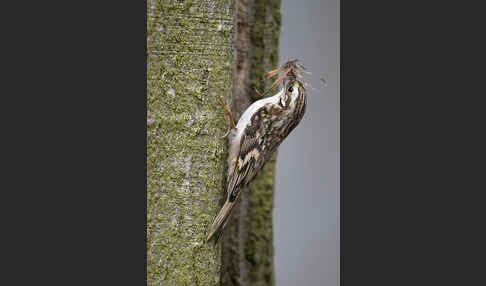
(259, 131)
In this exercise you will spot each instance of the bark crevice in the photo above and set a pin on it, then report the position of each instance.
(247, 243)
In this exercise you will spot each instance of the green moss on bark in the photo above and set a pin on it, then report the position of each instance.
(259, 244)
(189, 64)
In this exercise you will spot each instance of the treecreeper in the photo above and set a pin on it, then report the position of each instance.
(259, 131)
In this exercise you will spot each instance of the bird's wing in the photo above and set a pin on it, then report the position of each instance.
(250, 158)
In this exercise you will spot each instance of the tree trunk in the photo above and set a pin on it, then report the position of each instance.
(189, 64)
(248, 239)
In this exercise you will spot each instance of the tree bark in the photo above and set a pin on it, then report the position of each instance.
(189, 64)
(248, 240)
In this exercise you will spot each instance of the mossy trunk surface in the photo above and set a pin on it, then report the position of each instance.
(248, 239)
(189, 64)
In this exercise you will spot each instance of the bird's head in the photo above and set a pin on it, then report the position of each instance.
(292, 91)
(291, 76)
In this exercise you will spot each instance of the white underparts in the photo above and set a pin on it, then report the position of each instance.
(246, 116)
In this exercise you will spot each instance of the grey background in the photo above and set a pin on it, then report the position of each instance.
(306, 212)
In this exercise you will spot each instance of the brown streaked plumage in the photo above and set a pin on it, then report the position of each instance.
(258, 133)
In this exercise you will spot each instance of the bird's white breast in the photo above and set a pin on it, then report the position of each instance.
(246, 116)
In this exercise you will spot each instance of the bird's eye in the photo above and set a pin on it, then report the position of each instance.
(291, 89)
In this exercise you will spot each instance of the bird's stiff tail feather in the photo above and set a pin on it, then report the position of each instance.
(221, 220)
